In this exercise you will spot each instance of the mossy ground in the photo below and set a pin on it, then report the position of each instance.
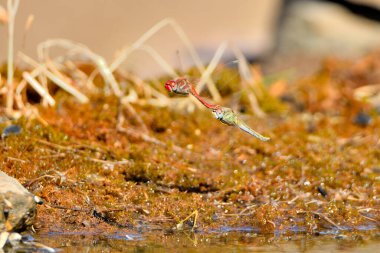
(320, 171)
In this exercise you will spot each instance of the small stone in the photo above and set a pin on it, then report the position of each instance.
(362, 119)
(38, 200)
(179, 226)
(27, 238)
(128, 237)
(17, 205)
(3, 239)
(14, 238)
(340, 237)
(86, 223)
(11, 130)
(322, 191)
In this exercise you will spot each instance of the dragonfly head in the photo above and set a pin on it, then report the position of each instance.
(170, 85)
(218, 113)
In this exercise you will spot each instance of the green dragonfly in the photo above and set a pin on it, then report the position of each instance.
(224, 114)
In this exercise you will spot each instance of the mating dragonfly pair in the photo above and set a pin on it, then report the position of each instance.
(224, 114)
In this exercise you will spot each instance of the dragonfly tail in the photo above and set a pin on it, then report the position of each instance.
(252, 132)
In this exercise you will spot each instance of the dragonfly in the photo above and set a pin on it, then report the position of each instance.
(225, 115)
(229, 117)
(183, 86)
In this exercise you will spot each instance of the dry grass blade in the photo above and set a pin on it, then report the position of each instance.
(186, 41)
(327, 219)
(80, 77)
(3, 90)
(78, 48)
(12, 6)
(38, 87)
(28, 25)
(206, 75)
(246, 75)
(370, 93)
(67, 87)
(195, 214)
(149, 139)
(29, 22)
(18, 95)
(134, 114)
(57, 80)
(138, 43)
(243, 65)
(22, 85)
(3, 15)
(142, 136)
(158, 58)
(255, 105)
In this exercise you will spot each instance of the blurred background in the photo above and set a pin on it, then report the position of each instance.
(289, 34)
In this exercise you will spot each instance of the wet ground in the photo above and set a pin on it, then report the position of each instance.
(214, 242)
(168, 178)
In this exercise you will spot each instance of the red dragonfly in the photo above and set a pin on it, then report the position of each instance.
(226, 115)
(183, 86)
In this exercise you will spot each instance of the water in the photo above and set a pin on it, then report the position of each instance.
(212, 242)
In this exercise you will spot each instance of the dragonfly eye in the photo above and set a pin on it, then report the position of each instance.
(169, 85)
(217, 113)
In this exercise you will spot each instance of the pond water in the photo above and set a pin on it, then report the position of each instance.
(212, 242)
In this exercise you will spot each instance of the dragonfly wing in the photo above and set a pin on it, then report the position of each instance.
(243, 126)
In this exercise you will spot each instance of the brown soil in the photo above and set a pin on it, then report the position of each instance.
(320, 170)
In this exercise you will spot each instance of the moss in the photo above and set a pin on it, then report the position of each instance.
(80, 163)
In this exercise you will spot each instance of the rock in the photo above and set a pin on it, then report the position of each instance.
(17, 205)
(3, 239)
(14, 239)
(362, 119)
(322, 191)
(11, 130)
(14, 242)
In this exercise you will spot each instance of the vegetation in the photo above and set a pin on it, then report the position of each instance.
(110, 152)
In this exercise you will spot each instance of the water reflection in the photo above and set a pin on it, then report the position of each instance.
(211, 243)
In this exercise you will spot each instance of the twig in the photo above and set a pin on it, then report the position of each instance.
(131, 110)
(324, 217)
(57, 80)
(31, 182)
(369, 218)
(149, 91)
(108, 162)
(57, 146)
(158, 58)
(38, 87)
(369, 210)
(99, 61)
(1, 84)
(27, 26)
(195, 214)
(52, 156)
(246, 209)
(182, 35)
(293, 200)
(12, 10)
(88, 210)
(206, 75)
(15, 159)
(147, 138)
(246, 75)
